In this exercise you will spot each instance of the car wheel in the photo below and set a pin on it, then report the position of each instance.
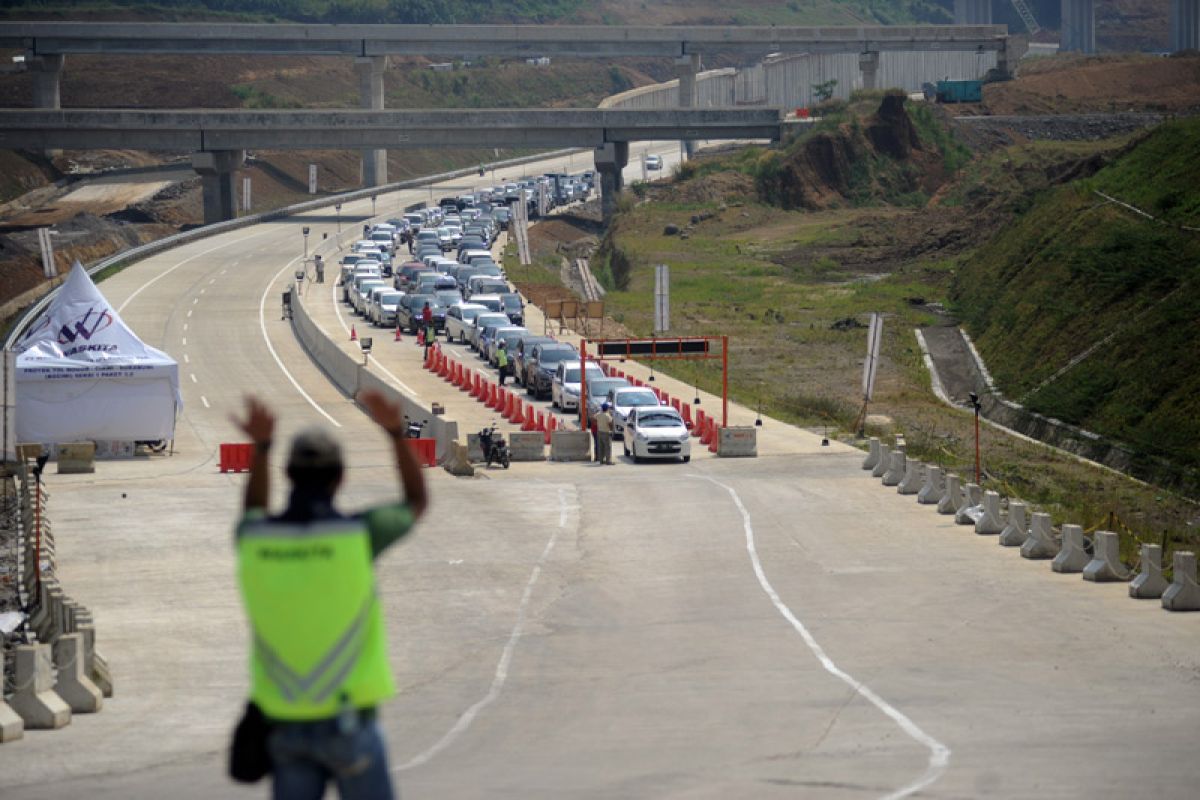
(686, 459)
(626, 448)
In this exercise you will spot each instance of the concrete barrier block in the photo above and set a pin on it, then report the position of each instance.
(1041, 543)
(971, 509)
(76, 458)
(1073, 556)
(935, 486)
(529, 446)
(896, 469)
(12, 727)
(457, 462)
(1150, 583)
(72, 684)
(34, 699)
(873, 454)
(101, 675)
(913, 478)
(952, 497)
(1016, 531)
(885, 461)
(990, 523)
(474, 449)
(570, 446)
(738, 441)
(1183, 594)
(1106, 565)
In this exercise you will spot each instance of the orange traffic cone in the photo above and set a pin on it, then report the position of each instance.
(353, 334)
(705, 429)
(530, 423)
(716, 435)
(397, 334)
(421, 337)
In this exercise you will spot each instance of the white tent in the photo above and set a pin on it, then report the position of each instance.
(83, 375)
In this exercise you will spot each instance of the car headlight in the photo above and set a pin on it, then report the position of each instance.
(683, 438)
(570, 391)
(641, 437)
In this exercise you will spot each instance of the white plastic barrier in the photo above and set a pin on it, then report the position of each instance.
(1183, 594)
(1073, 556)
(989, 522)
(1150, 583)
(885, 460)
(952, 496)
(912, 479)
(934, 487)
(972, 505)
(1106, 565)
(1042, 542)
(896, 467)
(1016, 531)
(872, 454)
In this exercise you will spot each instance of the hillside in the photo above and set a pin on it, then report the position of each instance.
(1090, 313)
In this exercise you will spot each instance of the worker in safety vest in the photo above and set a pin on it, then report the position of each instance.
(318, 666)
(502, 360)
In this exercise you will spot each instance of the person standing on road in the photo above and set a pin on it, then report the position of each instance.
(320, 265)
(427, 325)
(319, 656)
(604, 428)
(502, 360)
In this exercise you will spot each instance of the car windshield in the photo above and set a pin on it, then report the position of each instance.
(636, 399)
(659, 420)
(471, 313)
(598, 387)
(511, 302)
(418, 301)
(449, 297)
(572, 374)
(554, 356)
(390, 298)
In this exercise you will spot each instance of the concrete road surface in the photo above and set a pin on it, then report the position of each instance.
(775, 627)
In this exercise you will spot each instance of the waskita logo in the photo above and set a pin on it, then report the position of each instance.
(85, 327)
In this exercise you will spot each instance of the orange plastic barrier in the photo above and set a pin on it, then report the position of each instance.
(236, 457)
(705, 428)
(425, 450)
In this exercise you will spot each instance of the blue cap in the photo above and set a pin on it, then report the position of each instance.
(604, 406)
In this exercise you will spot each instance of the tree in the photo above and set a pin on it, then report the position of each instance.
(824, 91)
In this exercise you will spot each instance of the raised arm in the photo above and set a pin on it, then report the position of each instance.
(390, 417)
(259, 426)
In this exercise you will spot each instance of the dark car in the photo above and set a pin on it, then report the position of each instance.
(513, 307)
(524, 349)
(408, 312)
(539, 372)
(502, 216)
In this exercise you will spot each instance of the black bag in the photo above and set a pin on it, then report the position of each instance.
(249, 761)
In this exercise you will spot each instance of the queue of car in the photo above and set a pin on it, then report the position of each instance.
(451, 269)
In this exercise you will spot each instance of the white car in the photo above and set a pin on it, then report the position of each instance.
(482, 321)
(461, 318)
(625, 400)
(564, 389)
(653, 162)
(383, 309)
(359, 297)
(656, 432)
(507, 334)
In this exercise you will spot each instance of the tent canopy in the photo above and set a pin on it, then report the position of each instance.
(82, 374)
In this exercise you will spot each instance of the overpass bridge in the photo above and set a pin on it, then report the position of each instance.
(47, 44)
(218, 139)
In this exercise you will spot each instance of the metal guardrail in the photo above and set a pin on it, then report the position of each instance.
(135, 254)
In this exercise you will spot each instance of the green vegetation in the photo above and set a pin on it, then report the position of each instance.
(1080, 279)
(253, 97)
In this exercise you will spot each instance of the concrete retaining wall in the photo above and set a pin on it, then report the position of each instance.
(528, 446)
(351, 376)
(570, 446)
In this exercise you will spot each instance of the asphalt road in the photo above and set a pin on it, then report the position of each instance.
(775, 627)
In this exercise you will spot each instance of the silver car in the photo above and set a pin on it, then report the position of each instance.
(492, 318)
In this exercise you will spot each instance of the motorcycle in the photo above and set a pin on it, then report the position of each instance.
(494, 448)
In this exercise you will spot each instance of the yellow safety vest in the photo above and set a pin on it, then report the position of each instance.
(319, 641)
(502, 357)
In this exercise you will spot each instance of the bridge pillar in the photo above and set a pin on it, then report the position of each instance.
(868, 62)
(370, 77)
(47, 78)
(611, 158)
(1185, 25)
(1078, 26)
(216, 169)
(686, 68)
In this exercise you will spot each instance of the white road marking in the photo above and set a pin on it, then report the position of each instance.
(185, 327)
(190, 310)
(187, 359)
(204, 400)
(192, 375)
(184, 341)
(337, 310)
(202, 291)
(262, 325)
(167, 272)
(195, 300)
(501, 674)
(211, 281)
(939, 754)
